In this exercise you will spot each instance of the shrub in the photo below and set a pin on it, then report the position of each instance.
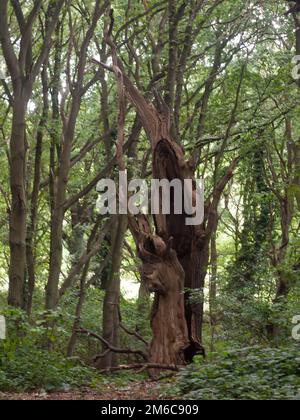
(248, 374)
(26, 364)
(30, 368)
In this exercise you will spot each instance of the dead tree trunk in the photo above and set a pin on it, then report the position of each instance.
(176, 258)
(165, 277)
(168, 268)
(176, 255)
(169, 327)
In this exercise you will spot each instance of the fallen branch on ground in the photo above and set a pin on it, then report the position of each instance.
(143, 367)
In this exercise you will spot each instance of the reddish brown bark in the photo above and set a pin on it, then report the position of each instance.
(167, 268)
(176, 255)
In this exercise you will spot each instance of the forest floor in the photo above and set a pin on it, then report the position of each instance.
(145, 390)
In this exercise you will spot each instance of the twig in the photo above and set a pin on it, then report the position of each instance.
(100, 356)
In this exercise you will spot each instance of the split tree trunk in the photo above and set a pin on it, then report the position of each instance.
(169, 327)
(176, 255)
(188, 242)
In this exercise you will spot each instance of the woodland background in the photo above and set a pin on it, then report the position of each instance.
(223, 69)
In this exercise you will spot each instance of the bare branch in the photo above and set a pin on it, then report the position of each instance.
(135, 334)
(110, 347)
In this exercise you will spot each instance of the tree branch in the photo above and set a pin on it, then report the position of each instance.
(7, 47)
(135, 334)
(144, 366)
(110, 347)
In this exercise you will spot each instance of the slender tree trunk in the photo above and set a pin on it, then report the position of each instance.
(23, 71)
(17, 217)
(84, 285)
(34, 198)
(111, 314)
(283, 284)
(143, 309)
(79, 88)
(213, 288)
(81, 299)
